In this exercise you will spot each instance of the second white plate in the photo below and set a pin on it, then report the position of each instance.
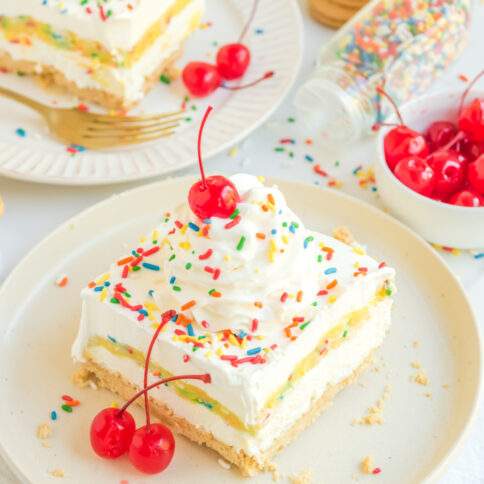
(433, 325)
(275, 41)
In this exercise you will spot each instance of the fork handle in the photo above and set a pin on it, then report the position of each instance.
(23, 99)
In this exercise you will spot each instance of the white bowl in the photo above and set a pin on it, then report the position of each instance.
(437, 222)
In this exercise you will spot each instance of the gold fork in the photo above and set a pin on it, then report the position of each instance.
(97, 131)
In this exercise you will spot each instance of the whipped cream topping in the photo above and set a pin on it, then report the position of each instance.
(250, 260)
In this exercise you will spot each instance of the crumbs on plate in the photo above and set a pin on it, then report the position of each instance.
(57, 473)
(374, 413)
(303, 477)
(367, 467)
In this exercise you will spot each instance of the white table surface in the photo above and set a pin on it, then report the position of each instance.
(32, 211)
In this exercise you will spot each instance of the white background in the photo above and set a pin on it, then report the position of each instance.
(32, 211)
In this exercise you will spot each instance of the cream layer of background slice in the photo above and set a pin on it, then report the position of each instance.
(156, 29)
(252, 408)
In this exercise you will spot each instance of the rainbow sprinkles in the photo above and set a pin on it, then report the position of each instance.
(281, 318)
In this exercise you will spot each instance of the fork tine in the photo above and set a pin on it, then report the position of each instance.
(124, 133)
(110, 142)
(106, 119)
(100, 128)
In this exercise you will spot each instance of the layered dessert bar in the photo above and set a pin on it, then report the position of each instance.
(280, 316)
(109, 52)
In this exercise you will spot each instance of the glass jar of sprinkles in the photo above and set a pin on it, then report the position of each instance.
(401, 44)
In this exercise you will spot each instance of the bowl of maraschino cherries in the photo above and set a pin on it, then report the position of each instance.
(430, 166)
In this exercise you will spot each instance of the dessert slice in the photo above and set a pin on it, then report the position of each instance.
(280, 316)
(108, 52)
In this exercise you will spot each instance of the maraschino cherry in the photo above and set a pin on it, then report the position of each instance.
(213, 196)
(150, 448)
(466, 198)
(201, 78)
(415, 173)
(401, 141)
(233, 59)
(471, 117)
(453, 172)
(439, 133)
(112, 432)
(450, 170)
(475, 174)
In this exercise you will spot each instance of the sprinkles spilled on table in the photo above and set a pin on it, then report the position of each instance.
(67, 405)
(366, 177)
(303, 149)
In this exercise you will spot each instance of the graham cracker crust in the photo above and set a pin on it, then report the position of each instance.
(51, 78)
(248, 465)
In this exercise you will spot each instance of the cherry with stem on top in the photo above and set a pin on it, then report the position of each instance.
(213, 196)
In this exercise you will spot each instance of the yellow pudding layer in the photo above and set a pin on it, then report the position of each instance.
(184, 390)
(22, 29)
(331, 340)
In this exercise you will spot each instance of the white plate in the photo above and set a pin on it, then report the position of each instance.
(39, 322)
(275, 41)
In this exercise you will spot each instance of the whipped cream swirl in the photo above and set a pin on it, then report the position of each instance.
(256, 269)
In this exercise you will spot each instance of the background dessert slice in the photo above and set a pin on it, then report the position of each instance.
(110, 53)
(279, 316)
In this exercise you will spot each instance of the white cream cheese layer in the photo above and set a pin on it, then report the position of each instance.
(126, 83)
(320, 279)
(244, 390)
(116, 24)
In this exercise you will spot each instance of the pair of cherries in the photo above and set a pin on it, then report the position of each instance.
(150, 448)
(113, 433)
(446, 162)
(232, 61)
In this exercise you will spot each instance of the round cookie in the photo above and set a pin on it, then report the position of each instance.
(330, 13)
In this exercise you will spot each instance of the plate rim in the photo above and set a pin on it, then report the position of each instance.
(456, 444)
(174, 169)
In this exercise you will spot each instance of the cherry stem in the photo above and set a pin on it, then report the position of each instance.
(377, 126)
(164, 319)
(199, 145)
(382, 91)
(466, 92)
(249, 20)
(460, 135)
(267, 75)
(206, 378)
